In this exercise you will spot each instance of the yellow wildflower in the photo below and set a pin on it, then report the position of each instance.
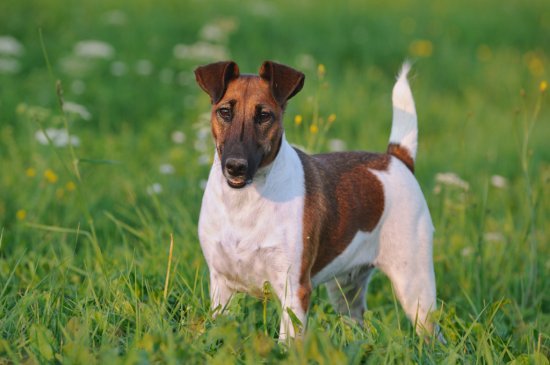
(543, 86)
(331, 118)
(484, 53)
(70, 186)
(536, 67)
(50, 176)
(30, 172)
(21, 108)
(298, 119)
(421, 48)
(321, 70)
(21, 214)
(313, 128)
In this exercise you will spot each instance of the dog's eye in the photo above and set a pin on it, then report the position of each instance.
(263, 117)
(225, 114)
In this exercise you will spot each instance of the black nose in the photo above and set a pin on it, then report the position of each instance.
(236, 166)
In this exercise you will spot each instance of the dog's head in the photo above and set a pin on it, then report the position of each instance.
(247, 113)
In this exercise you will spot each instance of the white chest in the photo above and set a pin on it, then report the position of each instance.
(253, 235)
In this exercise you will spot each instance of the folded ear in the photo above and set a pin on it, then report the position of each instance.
(285, 81)
(215, 77)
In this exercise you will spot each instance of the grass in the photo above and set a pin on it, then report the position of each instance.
(86, 274)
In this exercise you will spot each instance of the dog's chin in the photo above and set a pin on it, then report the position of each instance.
(237, 183)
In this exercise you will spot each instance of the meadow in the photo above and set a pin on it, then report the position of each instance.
(105, 147)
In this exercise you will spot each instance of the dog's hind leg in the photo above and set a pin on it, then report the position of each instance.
(406, 258)
(415, 290)
(347, 292)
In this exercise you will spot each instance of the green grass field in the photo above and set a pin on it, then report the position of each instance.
(86, 213)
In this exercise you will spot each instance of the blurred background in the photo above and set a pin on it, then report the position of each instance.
(105, 142)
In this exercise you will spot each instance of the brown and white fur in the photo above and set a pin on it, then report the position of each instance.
(272, 213)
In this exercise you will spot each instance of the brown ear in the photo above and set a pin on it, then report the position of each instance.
(285, 81)
(215, 77)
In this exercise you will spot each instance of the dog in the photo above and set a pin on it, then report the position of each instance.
(272, 213)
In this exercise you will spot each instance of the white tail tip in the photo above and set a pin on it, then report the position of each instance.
(404, 131)
(402, 95)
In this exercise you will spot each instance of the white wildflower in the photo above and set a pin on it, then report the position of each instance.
(451, 179)
(10, 46)
(80, 110)
(178, 137)
(154, 189)
(115, 17)
(201, 51)
(494, 237)
(94, 49)
(336, 145)
(212, 32)
(204, 159)
(499, 181)
(9, 66)
(204, 120)
(218, 30)
(166, 169)
(467, 251)
(118, 68)
(201, 143)
(262, 8)
(76, 66)
(305, 61)
(203, 132)
(59, 137)
(144, 67)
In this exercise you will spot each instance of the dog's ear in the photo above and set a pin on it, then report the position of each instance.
(285, 81)
(215, 77)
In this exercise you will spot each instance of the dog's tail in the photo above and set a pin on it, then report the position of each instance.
(404, 129)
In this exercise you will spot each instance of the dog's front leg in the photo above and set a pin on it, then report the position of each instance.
(220, 293)
(288, 328)
(295, 302)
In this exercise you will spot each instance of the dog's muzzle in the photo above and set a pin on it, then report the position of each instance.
(235, 171)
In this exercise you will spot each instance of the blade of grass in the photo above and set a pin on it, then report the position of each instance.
(167, 280)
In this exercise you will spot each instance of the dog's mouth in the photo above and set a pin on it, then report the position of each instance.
(238, 182)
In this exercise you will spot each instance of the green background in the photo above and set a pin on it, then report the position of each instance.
(85, 239)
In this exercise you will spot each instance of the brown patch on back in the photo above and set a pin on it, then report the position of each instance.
(343, 196)
(401, 153)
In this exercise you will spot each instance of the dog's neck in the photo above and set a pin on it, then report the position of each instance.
(274, 181)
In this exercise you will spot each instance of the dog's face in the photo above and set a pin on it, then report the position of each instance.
(247, 113)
